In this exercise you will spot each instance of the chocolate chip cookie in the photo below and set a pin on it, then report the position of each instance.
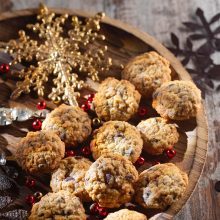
(160, 186)
(110, 179)
(147, 72)
(62, 205)
(71, 123)
(158, 135)
(126, 214)
(40, 152)
(117, 137)
(116, 100)
(71, 176)
(178, 100)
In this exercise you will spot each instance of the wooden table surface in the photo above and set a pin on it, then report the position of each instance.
(159, 18)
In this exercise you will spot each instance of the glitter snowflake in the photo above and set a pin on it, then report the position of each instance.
(64, 55)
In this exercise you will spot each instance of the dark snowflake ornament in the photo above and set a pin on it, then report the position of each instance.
(5, 183)
(4, 201)
(18, 214)
(201, 44)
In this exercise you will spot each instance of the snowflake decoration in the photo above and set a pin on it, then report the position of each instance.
(63, 55)
(202, 42)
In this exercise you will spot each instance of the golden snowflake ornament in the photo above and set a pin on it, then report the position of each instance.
(64, 55)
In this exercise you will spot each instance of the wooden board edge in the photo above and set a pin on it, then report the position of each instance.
(198, 164)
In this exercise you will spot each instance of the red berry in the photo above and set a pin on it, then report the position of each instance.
(86, 151)
(94, 208)
(155, 163)
(41, 105)
(170, 153)
(4, 68)
(90, 97)
(30, 182)
(140, 161)
(142, 111)
(37, 124)
(103, 212)
(70, 153)
(86, 107)
(30, 199)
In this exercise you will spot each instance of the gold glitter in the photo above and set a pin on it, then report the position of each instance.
(63, 55)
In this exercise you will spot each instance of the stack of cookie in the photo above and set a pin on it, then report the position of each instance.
(111, 180)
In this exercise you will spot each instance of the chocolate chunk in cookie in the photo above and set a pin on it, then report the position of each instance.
(106, 180)
(71, 176)
(160, 186)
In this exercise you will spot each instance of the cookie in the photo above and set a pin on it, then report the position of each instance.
(126, 214)
(110, 179)
(40, 152)
(158, 135)
(62, 205)
(147, 72)
(160, 186)
(117, 137)
(116, 100)
(71, 176)
(177, 100)
(71, 123)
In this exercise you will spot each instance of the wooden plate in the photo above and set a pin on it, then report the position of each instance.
(124, 42)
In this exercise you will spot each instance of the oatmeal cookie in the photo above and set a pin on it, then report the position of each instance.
(62, 205)
(126, 214)
(117, 137)
(116, 100)
(177, 100)
(158, 135)
(71, 176)
(110, 179)
(71, 123)
(160, 186)
(40, 152)
(147, 72)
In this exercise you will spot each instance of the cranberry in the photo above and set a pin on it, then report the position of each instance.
(170, 153)
(103, 212)
(70, 153)
(142, 111)
(86, 107)
(140, 161)
(90, 97)
(41, 105)
(94, 208)
(30, 199)
(4, 68)
(86, 151)
(37, 125)
(30, 182)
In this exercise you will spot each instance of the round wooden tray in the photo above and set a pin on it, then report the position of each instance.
(124, 42)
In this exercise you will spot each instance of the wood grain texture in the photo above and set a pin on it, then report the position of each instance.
(159, 18)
